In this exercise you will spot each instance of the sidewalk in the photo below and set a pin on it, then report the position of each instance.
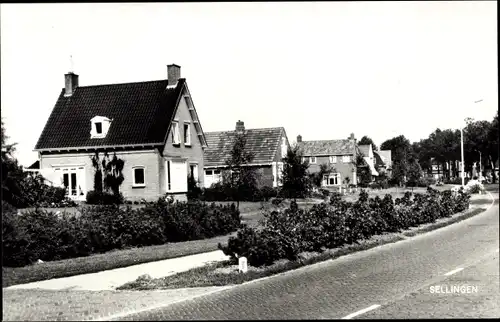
(111, 279)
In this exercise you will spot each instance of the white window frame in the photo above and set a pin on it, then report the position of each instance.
(188, 141)
(346, 158)
(134, 182)
(333, 159)
(311, 160)
(105, 124)
(175, 133)
(335, 176)
(212, 177)
(79, 172)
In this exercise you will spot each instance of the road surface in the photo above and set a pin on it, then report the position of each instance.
(407, 279)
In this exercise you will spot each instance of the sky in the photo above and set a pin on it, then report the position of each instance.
(319, 69)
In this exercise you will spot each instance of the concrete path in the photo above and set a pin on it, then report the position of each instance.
(109, 280)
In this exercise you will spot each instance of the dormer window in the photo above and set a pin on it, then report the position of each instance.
(99, 127)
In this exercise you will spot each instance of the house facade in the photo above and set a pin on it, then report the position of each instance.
(268, 145)
(340, 155)
(370, 159)
(152, 126)
(383, 162)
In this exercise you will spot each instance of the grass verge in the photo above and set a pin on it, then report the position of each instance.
(442, 222)
(223, 273)
(212, 274)
(110, 260)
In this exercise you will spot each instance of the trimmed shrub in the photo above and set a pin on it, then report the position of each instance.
(287, 233)
(51, 236)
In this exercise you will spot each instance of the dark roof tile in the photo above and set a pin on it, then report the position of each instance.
(140, 113)
(327, 147)
(263, 143)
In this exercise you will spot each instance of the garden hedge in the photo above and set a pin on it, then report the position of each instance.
(49, 236)
(287, 233)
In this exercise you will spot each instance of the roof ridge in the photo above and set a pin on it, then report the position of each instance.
(128, 83)
(259, 128)
(325, 140)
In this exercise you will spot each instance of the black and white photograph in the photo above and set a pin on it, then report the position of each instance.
(249, 160)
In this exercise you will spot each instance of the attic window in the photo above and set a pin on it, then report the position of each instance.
(99, 127)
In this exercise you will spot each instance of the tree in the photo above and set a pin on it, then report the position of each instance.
(492, 146)
(363, 171)
(12, 174)
(113, 173)
(317, 177)
(414, 172)
(108, 173)
(366, 140)
(242, 177)
(194, 191)
(296, 183)
(97, 173)
(401, 151)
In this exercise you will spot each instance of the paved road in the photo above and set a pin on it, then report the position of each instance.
(394, 276)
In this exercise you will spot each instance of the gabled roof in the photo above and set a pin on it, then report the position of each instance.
(263, 143)
(364, 149)
(140, 112)
(385, 156)
(378, 160)
(327, 147)
(35, 165)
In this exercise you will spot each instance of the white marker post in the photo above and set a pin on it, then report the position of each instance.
(243, 266)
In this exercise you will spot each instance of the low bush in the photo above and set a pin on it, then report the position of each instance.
(49, 236)
(425, 182)
(222, 192)
(103, 198)
(287, 233)
(35, 193)
(455, 181)
(474, 186)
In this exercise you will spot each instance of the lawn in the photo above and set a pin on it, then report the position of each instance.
(109, 260)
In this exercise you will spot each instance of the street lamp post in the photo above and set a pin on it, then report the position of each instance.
(462, 153)
(462, 149)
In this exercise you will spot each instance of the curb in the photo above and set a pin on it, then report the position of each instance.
(393, 240)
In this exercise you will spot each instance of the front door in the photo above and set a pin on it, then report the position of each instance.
(177, 176)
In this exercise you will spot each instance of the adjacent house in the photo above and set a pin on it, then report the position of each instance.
(152, 126)
(369, 157)
(268, 145)
(340, 155)
(383, 162)
(34, 167)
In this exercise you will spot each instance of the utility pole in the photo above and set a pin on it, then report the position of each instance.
(462, 152)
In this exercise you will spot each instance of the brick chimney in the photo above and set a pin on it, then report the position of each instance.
(240, 127)
(71, 83)
(299, 138)
(174, 73)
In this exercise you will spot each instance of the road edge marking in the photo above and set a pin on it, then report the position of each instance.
(454, 271)
(492, 200)
(370, 308)
(157, 306)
